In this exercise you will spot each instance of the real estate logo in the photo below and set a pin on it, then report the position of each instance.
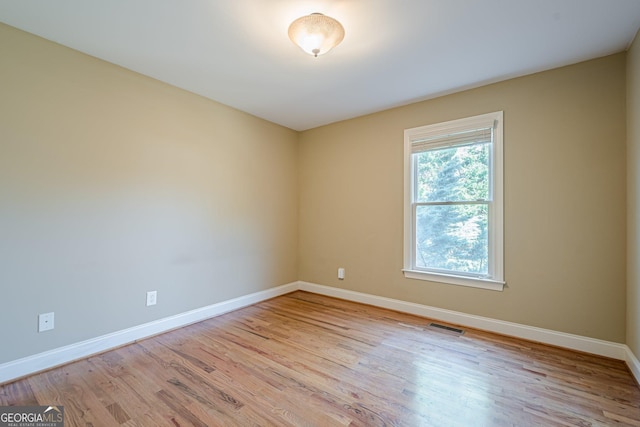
(31, 416)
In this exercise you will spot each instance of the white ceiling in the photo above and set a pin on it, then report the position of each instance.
(395, 51)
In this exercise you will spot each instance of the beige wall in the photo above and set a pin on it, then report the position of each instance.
(564, 201)
(633, 195)
(112, 184)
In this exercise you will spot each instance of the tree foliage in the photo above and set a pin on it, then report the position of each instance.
(452, 227)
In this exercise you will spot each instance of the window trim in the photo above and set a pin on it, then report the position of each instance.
(496, 207)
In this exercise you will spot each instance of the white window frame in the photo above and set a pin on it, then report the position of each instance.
(494, 280)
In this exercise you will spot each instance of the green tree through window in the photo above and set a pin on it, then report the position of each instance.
(451, 227)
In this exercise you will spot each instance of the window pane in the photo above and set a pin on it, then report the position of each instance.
(453, 174)
(452, 237)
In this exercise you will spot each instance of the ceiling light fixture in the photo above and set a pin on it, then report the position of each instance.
(316, 34)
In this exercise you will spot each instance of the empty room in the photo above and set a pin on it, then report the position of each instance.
(319, 213)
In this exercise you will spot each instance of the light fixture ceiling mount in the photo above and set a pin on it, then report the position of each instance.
(316, 34)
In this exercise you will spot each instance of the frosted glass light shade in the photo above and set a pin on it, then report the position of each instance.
(316, 34)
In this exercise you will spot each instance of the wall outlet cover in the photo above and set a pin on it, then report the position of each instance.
(152, 298)
(45, 322)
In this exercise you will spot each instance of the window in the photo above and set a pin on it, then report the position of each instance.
(453, 202)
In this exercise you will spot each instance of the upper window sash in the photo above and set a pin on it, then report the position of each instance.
(425, 190)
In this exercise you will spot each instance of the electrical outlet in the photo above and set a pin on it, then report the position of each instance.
(45, 322)
(341, 273)
(152, 298)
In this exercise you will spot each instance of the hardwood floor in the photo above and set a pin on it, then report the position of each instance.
(308, 360)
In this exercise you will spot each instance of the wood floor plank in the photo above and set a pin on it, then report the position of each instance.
(17, 393)
(309, 360)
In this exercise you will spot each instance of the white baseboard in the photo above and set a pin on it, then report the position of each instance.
(39, 362)
(545, 336)
(633, 363)
(42, 361)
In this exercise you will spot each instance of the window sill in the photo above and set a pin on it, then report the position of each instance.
(472, 282)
